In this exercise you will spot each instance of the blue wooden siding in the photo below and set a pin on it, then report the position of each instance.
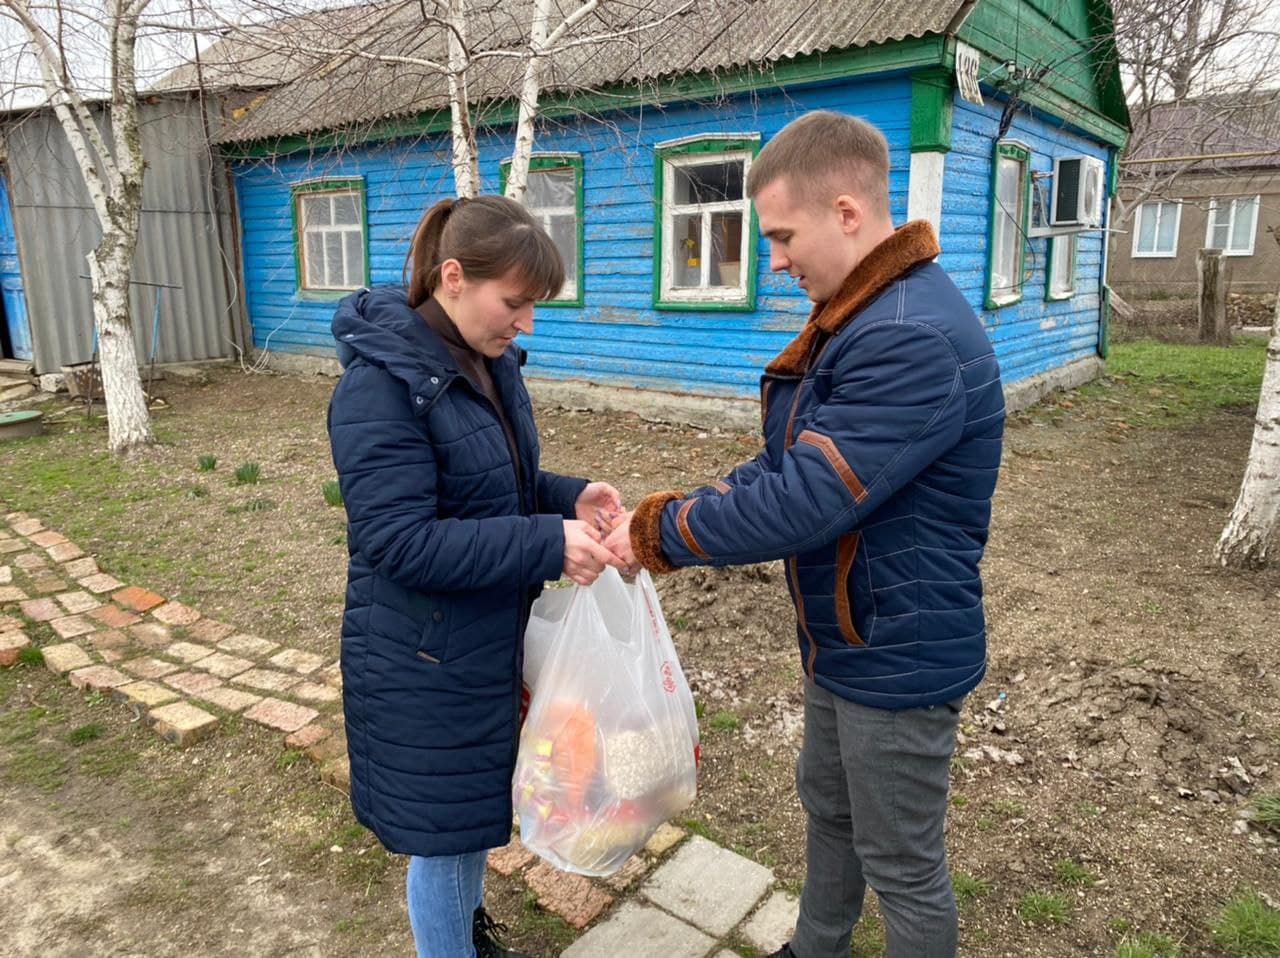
(617, 338)
(13, 301)
(1032, 335)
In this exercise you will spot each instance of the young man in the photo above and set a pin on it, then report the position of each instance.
(882, 421)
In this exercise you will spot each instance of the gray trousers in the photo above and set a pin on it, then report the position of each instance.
(874, 784)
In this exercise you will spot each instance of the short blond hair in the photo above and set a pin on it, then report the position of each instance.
(823, 154)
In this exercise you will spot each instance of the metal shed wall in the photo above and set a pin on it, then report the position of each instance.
(178, 238)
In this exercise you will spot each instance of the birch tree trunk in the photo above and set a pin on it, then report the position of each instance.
(466, 164)
(1255, 520)
(112, 174)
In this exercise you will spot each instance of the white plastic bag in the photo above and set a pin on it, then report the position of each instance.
(609, 749)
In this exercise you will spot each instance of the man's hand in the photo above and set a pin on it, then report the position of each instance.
(584, 556)
(598, 504)
(619, 543)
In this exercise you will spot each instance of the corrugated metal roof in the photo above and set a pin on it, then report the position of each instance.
(1212, 127)
(376, 78)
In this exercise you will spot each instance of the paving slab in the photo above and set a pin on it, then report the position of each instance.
(69, 626)
(267, 680)
(49, 583)
(151, 634)
(224, 666)
(641, 931)
(30, 561)
(708, 886)
(137, 599)
(47, 538)
(510, 858)
(577, 900)
(114, 617)
(107, 639)
(175, 613)
(247, 645)
(80, 568)
(27, 527)
(189, 652)
(182, 723)
(192, 683)
(146, 694)
(6, 574)
(98, 677)
(65, 657)
(774, 922)
(78, 601)
(41, 610)
(278, 714)
(11, 644)
(63, 551)
(147, 667)
(666, 837)
(11, 593)
(314, 693)
(307, 736)
(99, 582)
(232, 700)
(210, 631)
(297, 661)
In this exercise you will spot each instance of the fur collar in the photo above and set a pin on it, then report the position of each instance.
(908, 247)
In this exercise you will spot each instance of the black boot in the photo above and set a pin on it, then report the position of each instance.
(484, 935)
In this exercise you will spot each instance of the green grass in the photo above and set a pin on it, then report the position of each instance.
(207, 463)
(1264, 811)
(248, 473)
(1008, 808)
(1044, 908)
(1148, 944)
(30, 655)
(85, 733)
(288, 758)
(1072, 873)
(1248, 927)
(1173, 384)
(967, 888)
(724, 721)
(332, 492)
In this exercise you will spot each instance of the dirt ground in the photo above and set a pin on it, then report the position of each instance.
(1129, 712)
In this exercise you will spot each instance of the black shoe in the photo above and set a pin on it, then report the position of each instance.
(784, 952)
(484, 935)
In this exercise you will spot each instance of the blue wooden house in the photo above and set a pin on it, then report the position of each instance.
(1004, 119)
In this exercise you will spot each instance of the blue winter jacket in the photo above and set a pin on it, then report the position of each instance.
(447, 553)
(883, 423)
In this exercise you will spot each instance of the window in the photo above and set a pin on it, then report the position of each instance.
(554, 197)
(329, 235)
(1232, 224)
(1062, 267)
(1008, 224)
(705, 225)
(1156, 229)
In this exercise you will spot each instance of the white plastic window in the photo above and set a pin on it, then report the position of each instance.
(1062, 279)
(1156, 230)
(705, 227)
(552, 198)
(1006, 235)
(331, 224)
(1232, 224)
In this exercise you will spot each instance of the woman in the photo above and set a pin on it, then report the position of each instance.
(452, 530)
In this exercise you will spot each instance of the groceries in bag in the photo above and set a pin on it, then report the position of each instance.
(609, 748)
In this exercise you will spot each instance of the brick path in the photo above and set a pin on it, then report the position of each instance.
(184, 673)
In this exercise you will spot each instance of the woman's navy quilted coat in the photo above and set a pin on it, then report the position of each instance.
(447, 553)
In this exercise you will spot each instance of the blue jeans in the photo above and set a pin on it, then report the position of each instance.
(444, 891)
(874, 783)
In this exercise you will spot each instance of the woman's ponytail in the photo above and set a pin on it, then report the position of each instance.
(422, 264)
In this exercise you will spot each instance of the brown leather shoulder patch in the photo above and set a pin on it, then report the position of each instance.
(842, 468)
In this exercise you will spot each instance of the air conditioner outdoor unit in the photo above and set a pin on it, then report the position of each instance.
(1078, 192)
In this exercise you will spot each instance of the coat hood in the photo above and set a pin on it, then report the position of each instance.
(378, 326)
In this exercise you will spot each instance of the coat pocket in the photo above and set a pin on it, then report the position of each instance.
(846, 553)
(416, 620)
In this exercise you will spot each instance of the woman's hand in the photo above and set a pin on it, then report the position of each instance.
(584, 556)
(598, 504)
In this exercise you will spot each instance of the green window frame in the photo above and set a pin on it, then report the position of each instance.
(1067, 246)
(710, 292)
(315, 280)
(551, 163)
(1007, 230)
